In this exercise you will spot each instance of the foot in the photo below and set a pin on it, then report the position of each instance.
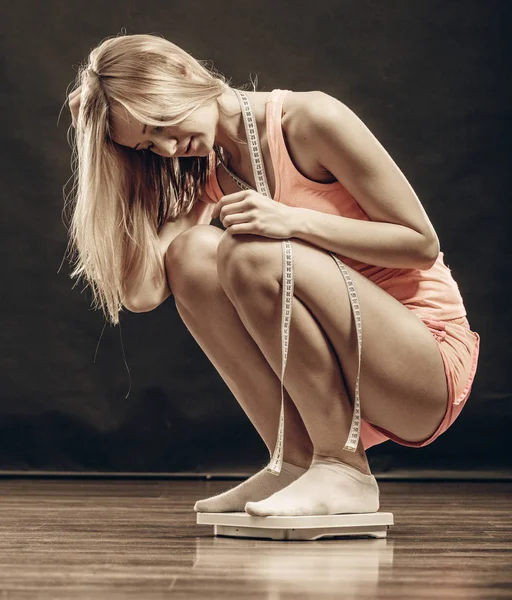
(261, 485)
(326, 488)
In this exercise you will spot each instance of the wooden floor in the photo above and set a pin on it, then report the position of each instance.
(113, 539)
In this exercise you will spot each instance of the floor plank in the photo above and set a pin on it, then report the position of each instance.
(110, 539)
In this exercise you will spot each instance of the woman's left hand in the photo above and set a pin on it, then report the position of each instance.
(250, 212)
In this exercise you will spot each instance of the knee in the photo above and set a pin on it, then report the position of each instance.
(247, 261)
(191, 261)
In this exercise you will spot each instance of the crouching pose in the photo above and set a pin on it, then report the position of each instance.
(327, 265)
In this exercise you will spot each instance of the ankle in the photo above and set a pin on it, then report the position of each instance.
(298, 460)
(357, 462)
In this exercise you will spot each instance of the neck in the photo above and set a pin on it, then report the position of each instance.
(231, 125)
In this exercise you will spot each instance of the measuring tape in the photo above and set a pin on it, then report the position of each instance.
(276, 460)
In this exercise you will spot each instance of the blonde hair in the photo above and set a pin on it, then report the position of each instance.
(123, 196)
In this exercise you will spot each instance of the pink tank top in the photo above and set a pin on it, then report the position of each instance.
(431, 294)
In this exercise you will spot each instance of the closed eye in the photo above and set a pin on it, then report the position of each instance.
(156, 129)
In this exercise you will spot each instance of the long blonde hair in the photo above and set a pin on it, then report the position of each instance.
(122, 196)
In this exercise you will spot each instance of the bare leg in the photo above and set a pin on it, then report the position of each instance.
(216, 326)
(337, 481)
(238, 360)
(313, 375)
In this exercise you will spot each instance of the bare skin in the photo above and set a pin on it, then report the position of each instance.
(403, 384)
(228, 292)
(213, 320)
(242, 282)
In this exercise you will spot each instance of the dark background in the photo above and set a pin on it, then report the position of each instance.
(429, 78)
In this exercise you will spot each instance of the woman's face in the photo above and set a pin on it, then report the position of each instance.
(194, 136)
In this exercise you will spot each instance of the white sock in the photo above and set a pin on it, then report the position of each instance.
(326, 488)
(259, 486)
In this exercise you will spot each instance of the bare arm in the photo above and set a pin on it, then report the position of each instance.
(149, 296)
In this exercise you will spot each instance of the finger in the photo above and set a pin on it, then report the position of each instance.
(236, 218)
(228, 199)
(234, 208)
(241, 228)
(235, 195)
(75, 92)
(216, 210)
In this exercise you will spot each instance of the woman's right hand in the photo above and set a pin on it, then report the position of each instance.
(74, 105)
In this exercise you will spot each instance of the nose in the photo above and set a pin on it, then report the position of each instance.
(166, 148)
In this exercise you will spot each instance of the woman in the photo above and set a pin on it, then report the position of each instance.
(163, 146)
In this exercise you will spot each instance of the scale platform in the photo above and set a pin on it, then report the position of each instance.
(241, 524)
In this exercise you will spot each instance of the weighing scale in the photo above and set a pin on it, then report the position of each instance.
(241, 524)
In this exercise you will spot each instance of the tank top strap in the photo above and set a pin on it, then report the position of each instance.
(274, 111)
(275, 139)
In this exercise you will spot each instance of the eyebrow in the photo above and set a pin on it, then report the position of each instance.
(143, 132)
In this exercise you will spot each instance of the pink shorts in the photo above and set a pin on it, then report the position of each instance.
(459, 347)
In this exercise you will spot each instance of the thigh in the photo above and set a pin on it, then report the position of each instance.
(459, 347)
(403, 386)
(191, 263)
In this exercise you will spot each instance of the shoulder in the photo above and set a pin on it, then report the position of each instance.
(311, 120)
(312, 112)
(333, 132)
